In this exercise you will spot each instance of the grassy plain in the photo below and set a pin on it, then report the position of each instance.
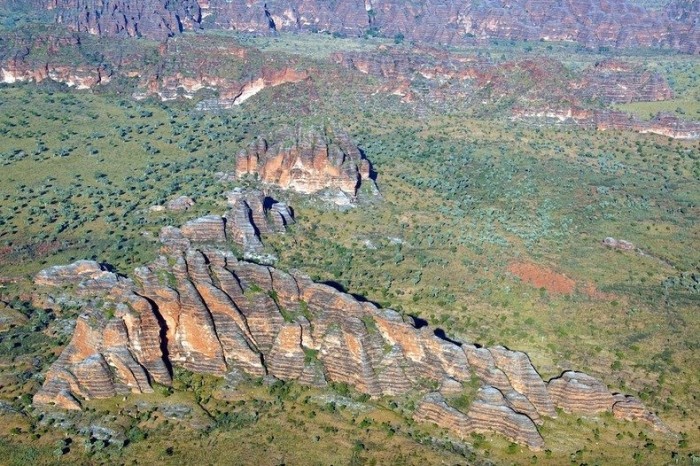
(462, 199)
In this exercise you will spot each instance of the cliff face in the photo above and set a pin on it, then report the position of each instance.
(153, 19)
(200, 308)
(307, 161)
(588, 22)
(20, 62)
(664, 124)
(542, 79)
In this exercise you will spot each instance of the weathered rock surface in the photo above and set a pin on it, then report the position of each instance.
(580, 393)
(489, 412)
(618, 244)
(207, 229)
(664, 124)
(154, 19)
(250, 214)
(179, 204)
(592, 23)
(629, 408)
(73, 274)
(307, 161)
(200, 308)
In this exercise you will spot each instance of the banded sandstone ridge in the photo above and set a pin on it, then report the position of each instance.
(592, 23)
(308, 161)
(664, 124)
(424, 76)
(200, 308)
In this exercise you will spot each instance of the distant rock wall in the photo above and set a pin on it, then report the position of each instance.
(591, 23)
(663, 123)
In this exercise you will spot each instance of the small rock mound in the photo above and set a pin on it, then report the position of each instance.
(618, 244)
(629, 408)
(179, 204)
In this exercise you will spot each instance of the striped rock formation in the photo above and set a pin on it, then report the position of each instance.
(250, 214)
(591, 23)
(307, 162)
(576, 392)
(199, 307)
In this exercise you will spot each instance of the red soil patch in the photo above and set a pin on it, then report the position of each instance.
(542, 277)
(554, 282)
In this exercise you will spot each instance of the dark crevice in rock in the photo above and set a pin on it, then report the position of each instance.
(270, 20)
(163, 331)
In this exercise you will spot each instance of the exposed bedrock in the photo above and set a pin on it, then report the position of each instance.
(250, 214)
(307, 161)
(592, 23)
(199, 307)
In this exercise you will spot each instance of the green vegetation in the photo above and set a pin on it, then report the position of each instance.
(464, 197)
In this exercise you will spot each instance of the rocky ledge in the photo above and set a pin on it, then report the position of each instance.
(308, 161)
(199, 307)
(663, 124)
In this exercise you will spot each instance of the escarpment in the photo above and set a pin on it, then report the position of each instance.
(592, 23)
(308, 161)
(199, 307)
(664, 124)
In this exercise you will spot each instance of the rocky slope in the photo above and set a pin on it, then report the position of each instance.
(200, 308)
(592, 23)
(308, 161)
(528, 80)
(663, 123)
(225, 74)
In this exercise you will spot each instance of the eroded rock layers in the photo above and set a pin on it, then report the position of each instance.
(307, 161)
(664, 124)
(589, 22)
(250, 214)
(199, 307)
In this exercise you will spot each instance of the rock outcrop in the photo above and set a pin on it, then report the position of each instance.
(489, 412)
(307, 161)
(200, 308)
(49, 56)
(616, 82)
(527, 80)
(618, 244)
(592, 23)
(580, 393)
(179, 204)
(663, 124)
(250, 214)
(629, 408)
